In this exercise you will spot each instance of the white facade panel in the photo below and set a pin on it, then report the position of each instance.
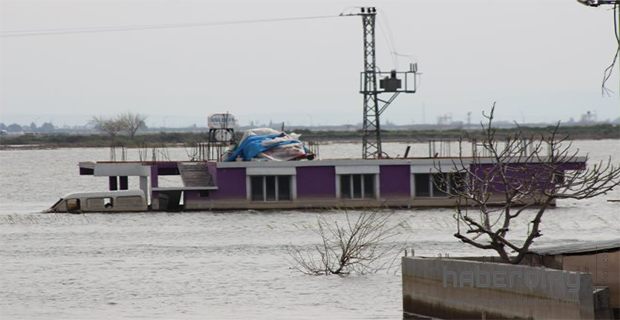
(270, 171)
(357, 169)
(121, 169)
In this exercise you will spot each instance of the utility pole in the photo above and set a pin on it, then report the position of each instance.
(373, 105)
(371, 127)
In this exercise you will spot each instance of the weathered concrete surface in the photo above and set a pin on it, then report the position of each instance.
(450, 289)
(599, 258)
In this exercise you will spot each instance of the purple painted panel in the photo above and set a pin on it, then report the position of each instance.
(230, 184)
(154, 176)
(314, 182)
(191, 194)
(212, 169)
(539, 175)
(198, 195)
(395, 181)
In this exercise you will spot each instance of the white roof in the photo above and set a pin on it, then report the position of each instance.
(579, 247)
(103, 194)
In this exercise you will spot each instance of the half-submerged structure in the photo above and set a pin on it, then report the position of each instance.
(208, 185)
(273, 170)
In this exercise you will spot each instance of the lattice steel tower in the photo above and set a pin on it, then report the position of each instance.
(371, 126)
(373, 105)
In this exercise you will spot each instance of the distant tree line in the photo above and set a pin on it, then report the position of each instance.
(128, 123)
(46, 127)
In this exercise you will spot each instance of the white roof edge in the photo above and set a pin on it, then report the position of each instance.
(87, 164)
(104, 193)
(578, 247)
(185, 188)
(368, 162)
(317, 163)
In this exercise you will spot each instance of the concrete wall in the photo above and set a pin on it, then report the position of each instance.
(453, 289)
(604, 267)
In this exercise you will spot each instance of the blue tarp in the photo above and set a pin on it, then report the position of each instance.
(252, 146)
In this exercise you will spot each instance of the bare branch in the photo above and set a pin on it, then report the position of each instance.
(514, 176)
(357, 245)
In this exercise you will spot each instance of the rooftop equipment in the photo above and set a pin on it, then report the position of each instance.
(393, 82)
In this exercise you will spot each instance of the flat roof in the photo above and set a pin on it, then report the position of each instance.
(580, 247)
(104, 194)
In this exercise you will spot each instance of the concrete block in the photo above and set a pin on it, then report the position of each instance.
(451, 288)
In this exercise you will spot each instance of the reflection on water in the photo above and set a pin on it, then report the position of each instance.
(208, 264)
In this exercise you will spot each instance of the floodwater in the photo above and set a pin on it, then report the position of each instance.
(215, 265)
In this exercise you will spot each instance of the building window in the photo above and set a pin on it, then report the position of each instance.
(458, 182)
(284, 187)
(439, 184)
(256, 187)
(270, 188)
(357, 186)
(73, 205)
(99, 203)
(422, 184)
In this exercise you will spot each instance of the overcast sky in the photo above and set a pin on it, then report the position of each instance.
(539, 60)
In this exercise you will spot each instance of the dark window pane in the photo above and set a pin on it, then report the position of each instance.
(345, 186)
(440, 184)
(422, 182)
(458, 182)
(270, 188)
(284, 187)
(256, 186)
(369, 186)
(558, 177)
(73, 205)
(357, 186)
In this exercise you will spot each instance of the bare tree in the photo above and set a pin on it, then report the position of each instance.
(357, 245)
(518, 176)
(109, 126)
(128, 122)
(132, 122)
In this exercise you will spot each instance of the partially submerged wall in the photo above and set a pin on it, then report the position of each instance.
(604, 268)
(450, 289)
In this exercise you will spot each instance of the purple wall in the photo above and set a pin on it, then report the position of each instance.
(154, 176)
(212, 169)
(230, 183)
(537, 175)
(395, 181)
(313, 182)
(192, 195)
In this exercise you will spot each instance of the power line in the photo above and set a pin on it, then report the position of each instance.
(46, 32)
(391, 37)
(389, 43)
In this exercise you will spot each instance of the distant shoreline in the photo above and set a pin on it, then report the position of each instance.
(179, 139)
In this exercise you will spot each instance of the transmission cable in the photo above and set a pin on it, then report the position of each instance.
(389, 43)
(392, 43)
(60, 31)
